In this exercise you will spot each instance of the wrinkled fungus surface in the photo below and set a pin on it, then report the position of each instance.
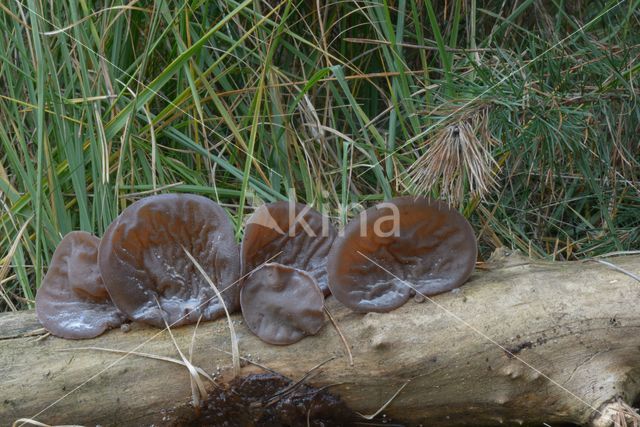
(72, 301)
(143, 262)
(291, 234)
(281, 304)
(428, 245)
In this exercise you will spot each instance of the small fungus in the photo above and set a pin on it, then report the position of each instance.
(144, 265)
(281, 304)
(72, 301)
(394, 249)
(291, 234)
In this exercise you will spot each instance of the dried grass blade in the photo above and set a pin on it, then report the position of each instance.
(235, 352)
(5, 266)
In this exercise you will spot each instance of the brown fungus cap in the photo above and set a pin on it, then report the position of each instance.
(291, 234)
(281, 304)
(143, 261)
(422, 242)
(72, 301)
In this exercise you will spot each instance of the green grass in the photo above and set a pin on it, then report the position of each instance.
(244, 100)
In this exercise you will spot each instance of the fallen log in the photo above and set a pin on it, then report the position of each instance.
(523, 341)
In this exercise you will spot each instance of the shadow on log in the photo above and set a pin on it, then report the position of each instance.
(523, 341)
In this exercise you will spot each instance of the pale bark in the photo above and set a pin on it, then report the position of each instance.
(523, 341)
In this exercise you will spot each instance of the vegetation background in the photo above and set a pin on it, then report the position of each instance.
(522, 114)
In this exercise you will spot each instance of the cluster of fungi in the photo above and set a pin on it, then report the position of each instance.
(291, 258)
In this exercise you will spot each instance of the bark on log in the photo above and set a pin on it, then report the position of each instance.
(523, 341)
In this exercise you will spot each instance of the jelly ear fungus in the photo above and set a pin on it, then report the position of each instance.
(291, 234)
(73, 301)
(404, 246)
(281, 304)
(408, 245)
(147, 272)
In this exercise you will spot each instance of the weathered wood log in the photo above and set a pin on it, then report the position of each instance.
(523, 341)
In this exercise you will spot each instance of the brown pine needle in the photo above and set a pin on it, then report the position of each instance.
(290, 388)
(457, 160)
(383, 407)
(341, 335)
(624, 415)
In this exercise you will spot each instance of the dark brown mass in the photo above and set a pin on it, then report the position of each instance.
(291, 234)
(405, 245)
(281, 304)
(263, 400)
(147, 272)
(72, 301)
